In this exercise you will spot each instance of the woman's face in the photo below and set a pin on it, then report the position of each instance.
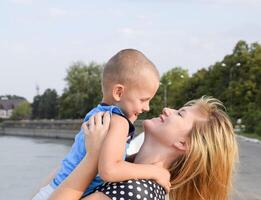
(173, 126)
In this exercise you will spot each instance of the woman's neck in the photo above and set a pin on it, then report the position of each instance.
(153, 152)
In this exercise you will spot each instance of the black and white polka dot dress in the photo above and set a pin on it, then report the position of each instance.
(133, 189)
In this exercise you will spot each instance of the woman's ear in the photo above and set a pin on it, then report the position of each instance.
(180, 144)
(117, 91)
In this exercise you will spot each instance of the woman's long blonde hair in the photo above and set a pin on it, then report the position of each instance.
(205, 171)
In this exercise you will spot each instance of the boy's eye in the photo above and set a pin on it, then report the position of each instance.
(180, 114)
(143, 100)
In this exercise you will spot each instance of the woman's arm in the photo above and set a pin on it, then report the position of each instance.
(75, 184)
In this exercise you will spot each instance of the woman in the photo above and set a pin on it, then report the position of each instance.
(195, 143)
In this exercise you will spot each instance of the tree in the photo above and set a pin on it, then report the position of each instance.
(83, 91)
(171, 88)
(252, 119)
(35, 107)
(194, 87)
(22, 111)
(46, 105)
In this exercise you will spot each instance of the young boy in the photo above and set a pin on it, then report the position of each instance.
(129, 82)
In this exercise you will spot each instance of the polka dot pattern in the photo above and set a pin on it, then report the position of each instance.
(133, 189)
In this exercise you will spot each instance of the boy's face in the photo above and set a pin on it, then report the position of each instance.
(135, 100)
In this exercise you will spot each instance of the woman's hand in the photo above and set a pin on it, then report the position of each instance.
(95, 130)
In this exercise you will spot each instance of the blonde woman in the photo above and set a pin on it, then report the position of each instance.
(195, 143)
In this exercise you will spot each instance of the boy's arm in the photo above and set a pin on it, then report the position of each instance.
(111, 165)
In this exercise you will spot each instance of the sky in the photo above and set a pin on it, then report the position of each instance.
(40, 39)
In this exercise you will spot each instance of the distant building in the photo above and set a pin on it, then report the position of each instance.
(7, 106)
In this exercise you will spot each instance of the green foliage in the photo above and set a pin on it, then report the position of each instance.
(22, 111)
(83, 91)
(252, 119)
(46, 105)
(35, 107)
(173, 83)
(194, 87)
(235, 81)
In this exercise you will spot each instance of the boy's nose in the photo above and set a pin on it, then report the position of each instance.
(146, 108)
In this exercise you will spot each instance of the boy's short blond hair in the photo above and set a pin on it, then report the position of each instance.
(127, 67)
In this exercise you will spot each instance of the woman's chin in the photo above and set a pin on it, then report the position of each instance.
(145, 123)
(148, 124)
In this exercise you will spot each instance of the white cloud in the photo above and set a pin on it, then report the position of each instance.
(128, 31)
(57, 12)
(144, 20)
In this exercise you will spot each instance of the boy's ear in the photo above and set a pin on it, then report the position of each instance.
(117, 91)
(180, 144)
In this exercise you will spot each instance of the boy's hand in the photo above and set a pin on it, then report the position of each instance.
(162, 177)
(95, 130)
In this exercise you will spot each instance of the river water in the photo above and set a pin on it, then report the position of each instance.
(25, 162)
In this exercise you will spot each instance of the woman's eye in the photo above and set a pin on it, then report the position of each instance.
(179, 114)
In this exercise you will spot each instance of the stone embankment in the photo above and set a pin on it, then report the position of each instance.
(65, 129)
(41, 128)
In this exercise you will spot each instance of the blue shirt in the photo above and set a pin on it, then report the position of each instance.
(78, 151)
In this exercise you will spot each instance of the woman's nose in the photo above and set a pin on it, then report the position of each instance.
(167, 111)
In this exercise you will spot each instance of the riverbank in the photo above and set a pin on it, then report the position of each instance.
(251, 136)
(64, 129)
